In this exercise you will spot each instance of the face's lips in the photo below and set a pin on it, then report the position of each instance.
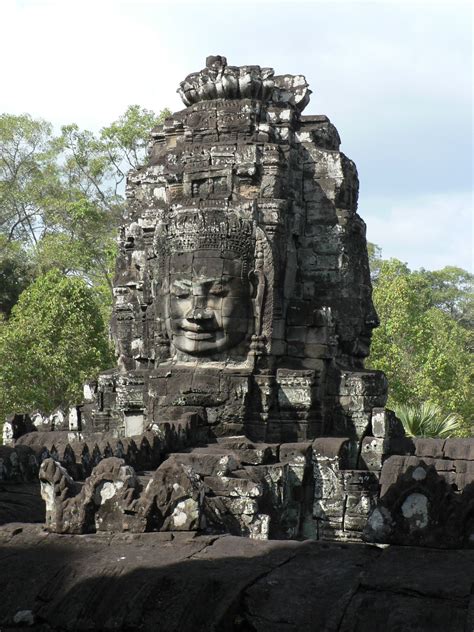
(193, 331)
(199, 327)
(204, 335)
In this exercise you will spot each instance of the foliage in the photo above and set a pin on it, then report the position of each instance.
(423, 350)
(28, 176)
(452, 292)
(96, 165)
(450, 289)
(61, 202)
(428, 420)
(54, 340)
(126, 139)
(62, 198)
(16, 273)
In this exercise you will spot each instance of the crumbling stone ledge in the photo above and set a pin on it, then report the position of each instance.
(174, 581)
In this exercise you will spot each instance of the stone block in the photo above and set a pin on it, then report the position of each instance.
(295, 452)
(296, 334)
(459, 449)
(327, 482)
(243, 488)
(332, 448)
(385, 424)
(360, 480)
(318, 351)
(374, 450)
(359, 505)
(428, 447)
(365, 383)
(358, 423)
(421, 504)
(329, 509)
(208, 464)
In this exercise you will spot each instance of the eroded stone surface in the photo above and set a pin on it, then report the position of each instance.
(232, 486)
(242, 290)
(173, 581)
(425, 500)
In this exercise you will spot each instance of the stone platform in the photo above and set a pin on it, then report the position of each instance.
(176, 582)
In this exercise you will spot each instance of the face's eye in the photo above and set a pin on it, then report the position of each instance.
(179, 291)
(218, 290)
(180, 294)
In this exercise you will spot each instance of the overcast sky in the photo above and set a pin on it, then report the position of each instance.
(394, 77)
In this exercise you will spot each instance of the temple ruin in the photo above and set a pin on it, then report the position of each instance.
(242, 319)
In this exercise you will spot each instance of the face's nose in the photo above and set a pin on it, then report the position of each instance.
(199, 309)
(372, 320)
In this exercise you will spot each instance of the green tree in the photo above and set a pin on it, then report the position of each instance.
(16, 273)
(84, 220)
(62, 199)
(375, 260)
(423, 350)
(452, 292)
(97, 165)
(28, 176)
(451, 289)
(54, 340)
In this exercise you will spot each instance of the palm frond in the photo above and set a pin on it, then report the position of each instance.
(428, 420)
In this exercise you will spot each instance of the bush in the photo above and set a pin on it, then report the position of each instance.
(54, 340)
(427, 420)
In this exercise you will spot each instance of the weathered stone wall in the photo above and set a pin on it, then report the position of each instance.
(427, 498)
(269, 491)
(242, 152)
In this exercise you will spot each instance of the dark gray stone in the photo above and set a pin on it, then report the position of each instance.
(173, 581)
(424, 501)
(242, 190)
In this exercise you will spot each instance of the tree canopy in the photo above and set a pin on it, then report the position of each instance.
(54, 340)
(425, 339)
(62, 197)
(16, 273)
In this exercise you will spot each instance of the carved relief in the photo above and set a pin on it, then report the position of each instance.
(242, 265)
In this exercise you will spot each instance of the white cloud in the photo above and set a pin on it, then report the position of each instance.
(393, 77)
(80, 62)
(429, 231)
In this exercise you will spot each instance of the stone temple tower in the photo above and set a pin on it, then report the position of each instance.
(242, 291)
(243, 315)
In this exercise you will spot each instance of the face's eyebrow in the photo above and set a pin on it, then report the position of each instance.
(208, 280)
(183, 284)
(202, 280)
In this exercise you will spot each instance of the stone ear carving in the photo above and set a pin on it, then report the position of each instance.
(161, 341)
(264, 271)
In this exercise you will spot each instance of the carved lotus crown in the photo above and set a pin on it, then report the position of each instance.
(211, 230)
(220, 81)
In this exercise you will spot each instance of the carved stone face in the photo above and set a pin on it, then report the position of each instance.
(361, 347)
(208, 302)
